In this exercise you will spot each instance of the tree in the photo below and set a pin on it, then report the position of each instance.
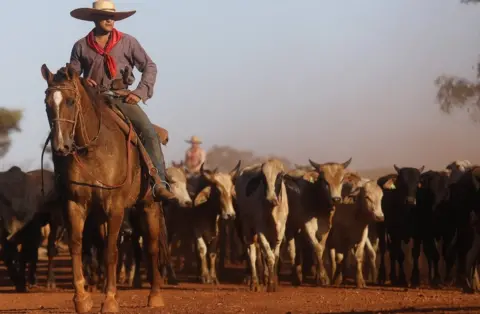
(9, 121)
(455, 92)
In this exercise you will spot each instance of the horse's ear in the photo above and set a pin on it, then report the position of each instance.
(47, 75)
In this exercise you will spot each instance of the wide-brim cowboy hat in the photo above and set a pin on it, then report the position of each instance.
(101, 9)
(194, 139)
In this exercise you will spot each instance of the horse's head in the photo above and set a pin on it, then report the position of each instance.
(62, 99)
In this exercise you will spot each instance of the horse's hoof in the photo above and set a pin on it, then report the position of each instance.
(83, 304)
(155, 300)
(110, 305)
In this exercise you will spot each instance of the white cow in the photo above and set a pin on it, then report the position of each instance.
(262, 206)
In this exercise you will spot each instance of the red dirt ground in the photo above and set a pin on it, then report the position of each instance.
(235, 298)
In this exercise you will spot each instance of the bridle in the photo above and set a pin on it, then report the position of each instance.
(79, 118)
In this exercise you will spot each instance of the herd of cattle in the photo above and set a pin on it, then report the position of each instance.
(263, 209)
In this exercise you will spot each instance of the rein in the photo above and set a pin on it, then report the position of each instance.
(79, 118)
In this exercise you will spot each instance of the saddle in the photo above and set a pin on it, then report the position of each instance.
(120, 89)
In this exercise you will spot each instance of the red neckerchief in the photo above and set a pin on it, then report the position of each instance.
(115, 37)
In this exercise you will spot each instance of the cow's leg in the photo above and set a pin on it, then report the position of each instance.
(12, 259)
(415, 279)
(394, 249)
(212, 254)
(382, 247)
(110, 304)
(222, 243)
(321, 276)
(52, 252)
(402, 279)
(372, 257)
(449, 256)
(333, 262)
(433, 258)
(337, 278)
(76, 221)
(202, 254)
(138, 254)
(470, 264)
(359, 254)
(33, 259)
(295, 274)
(270, 259)
(252, 254)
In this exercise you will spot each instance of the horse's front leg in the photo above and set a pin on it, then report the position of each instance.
(157, 237)
(76, 221)
(110, 304)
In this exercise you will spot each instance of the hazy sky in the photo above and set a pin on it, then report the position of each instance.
(303, 79)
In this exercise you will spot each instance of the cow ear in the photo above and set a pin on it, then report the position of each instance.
(253, 184)
(390, 184)
(203, 196)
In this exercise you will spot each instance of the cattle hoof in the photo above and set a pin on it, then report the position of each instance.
(21, 289)
(137, 282)
(467, 289)
(51, 285)
(110, 305)
(322, 280)
(92, 288)
(83, 305)
(361, 284)
(205, 279)
(254, 286)
(155, 300)
(271, 287)
(173, 281)
(215, 281)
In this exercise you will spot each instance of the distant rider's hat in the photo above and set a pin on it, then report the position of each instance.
(194, 139)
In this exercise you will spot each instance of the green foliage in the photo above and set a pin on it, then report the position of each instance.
(454, 92)
(9, 121)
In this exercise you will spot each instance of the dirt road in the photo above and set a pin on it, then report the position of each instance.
(235, 298)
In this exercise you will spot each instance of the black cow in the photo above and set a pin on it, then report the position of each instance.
(398, 204)
(432, 202)
(465, 201)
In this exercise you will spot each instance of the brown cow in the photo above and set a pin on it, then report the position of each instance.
(311, 206)
(350, 228)
(214, 192)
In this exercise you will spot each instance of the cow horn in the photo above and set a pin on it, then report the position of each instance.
(347, 163)
(236, 170)
(314, 164)
(396, 168)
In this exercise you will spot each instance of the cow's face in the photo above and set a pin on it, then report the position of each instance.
(407, 183)
(335, 174)
(177, 179)
(220, 187)
(436, 185)
(271, 177)
(371, 197)
(457, 169)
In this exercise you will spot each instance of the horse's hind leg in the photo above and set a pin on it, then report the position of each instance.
(156, 237)
(110, 304)
(76, 221)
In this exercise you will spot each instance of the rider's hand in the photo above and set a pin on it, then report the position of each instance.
(132, 99)
(91, 82)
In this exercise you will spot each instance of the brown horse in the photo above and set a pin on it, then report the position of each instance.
(100, 173)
